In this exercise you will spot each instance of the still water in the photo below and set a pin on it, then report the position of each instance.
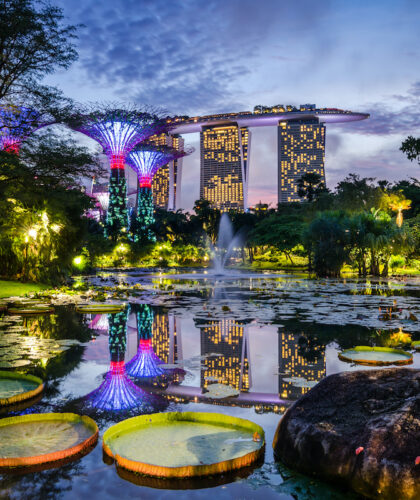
(247, 346)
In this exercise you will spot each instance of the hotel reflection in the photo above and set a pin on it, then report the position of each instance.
(259, 362)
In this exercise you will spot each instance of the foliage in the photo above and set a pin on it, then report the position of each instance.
(310, 186)
(411, 147)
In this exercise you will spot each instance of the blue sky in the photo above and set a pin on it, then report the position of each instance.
(209, 56)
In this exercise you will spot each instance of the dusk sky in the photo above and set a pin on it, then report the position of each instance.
(200, 57)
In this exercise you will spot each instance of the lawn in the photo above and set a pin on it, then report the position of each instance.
(12, 288)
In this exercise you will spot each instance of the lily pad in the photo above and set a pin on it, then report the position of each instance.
(382, 356)
(16, 387)
(220, 391)
(184, 444)
(43, 438)
(100, 308)
(15, 364)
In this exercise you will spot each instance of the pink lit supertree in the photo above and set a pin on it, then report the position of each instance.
(16, 123)
(146, 159)
(118, 130)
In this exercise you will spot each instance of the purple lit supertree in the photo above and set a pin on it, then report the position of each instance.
(146, 159)
(117, 391)
(16, 123)
(118, 130)
(145, 364)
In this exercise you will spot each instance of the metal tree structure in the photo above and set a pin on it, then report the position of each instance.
(146, 159)
(145, 364)
(117, 391)
(16, 123)
(118, 130)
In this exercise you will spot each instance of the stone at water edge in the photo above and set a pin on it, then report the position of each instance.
(359, 429)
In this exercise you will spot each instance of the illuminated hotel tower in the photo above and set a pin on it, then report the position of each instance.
(224, 166)
(293, 364)
(166, 185)
(165, 341)
(228, 338)
(301, 150)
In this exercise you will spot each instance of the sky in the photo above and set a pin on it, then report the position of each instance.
(211, 56)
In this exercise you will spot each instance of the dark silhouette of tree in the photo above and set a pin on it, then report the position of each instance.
(310, 185)
(411, 147)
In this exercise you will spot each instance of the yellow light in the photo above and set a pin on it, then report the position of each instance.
(77, 260)
(32, 233)
(56, 228)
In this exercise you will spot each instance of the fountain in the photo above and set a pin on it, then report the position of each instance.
(227, 241)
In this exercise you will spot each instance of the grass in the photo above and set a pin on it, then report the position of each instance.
(14, 288)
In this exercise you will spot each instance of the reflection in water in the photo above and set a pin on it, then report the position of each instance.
(229, 339)
(299, 359)
(117, 391)
(99, 323)
(145, 364)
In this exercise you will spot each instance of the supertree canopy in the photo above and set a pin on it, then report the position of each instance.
(117, 391)
(145, 364)
(118, 131)
(146, 159)
(16, 123)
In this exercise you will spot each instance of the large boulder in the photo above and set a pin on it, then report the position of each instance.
(359, 429)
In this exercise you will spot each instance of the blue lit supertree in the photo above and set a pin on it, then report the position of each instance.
(118, 130)
(145, 364)
(16, 123)
(146, 159)
(117, 391)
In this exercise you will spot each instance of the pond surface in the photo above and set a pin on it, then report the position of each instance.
(247, 346)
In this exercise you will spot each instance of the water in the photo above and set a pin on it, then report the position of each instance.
(268, 338)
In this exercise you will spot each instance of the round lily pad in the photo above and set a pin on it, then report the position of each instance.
(16, 387)
(26, 311)
(416, 345)
(43, 438)
(100, 308)
(14, 363)
(382, 356)
(181, 445)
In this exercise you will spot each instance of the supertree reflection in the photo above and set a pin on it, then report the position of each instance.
(145, 364)
(16, 123)
(117, 391)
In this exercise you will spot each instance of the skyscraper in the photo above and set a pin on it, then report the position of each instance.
(164, 185)
(301, 150)
(224, 166)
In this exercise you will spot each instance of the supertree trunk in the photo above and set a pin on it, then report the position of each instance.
(117, 217)
(145, 217)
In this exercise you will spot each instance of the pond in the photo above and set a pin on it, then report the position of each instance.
(246, 345)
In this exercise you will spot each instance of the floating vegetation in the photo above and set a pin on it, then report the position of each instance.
(184, 444)
(26, 311)
(30, 440)
(416, 345)
(220, 391)
(381, 356)
(300, 382)
(16, 387)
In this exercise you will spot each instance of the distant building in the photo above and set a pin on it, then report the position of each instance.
(224, 166)
(301, 150)
(166, 185)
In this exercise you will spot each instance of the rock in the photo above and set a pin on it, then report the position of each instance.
(358, 429)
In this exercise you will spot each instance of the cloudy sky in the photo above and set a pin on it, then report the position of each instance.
(210, 56)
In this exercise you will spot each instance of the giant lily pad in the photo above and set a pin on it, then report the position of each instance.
(44, 438)
(184, 444)
(26, 311)
(100, 308)
(382, 356)
(16, 387)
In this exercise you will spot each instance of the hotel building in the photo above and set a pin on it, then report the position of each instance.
(301, 150)
(224, 155)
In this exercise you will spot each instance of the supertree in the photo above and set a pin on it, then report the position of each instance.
(145, 364)
(16, 123)
(118, 130)
(117, 391)
(146, 159)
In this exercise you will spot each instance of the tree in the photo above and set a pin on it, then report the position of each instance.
(207, 217)
(310, 185)
(411, 147)
(358, 194)
(282, 232)
(34, 42)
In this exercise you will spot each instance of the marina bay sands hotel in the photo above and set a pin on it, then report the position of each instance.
(225, 143)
